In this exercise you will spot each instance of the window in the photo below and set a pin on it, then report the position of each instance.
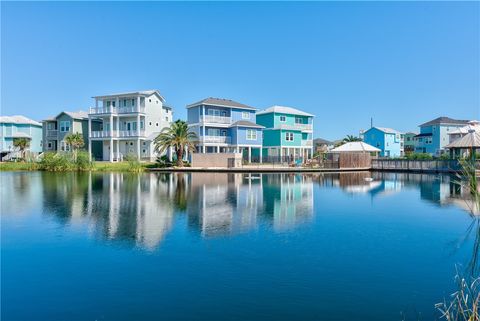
(298, 120)
(224, 133)
(113, 103)
(213, 112)
(108, 103)
(213, 132)
(251, 134)
(142, 125)
(41, 143)
(133, 102)
(150, 123)
(124, 103)
(283, 119)
(289, 137)
(65, 126)
(51, 126)
(144, 143)
(245, 115)
(149, 100)
(49, 145)
(156, 124)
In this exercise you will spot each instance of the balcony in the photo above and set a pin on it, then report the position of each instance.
(217, 139)
(308, 143)
(117, 133)
(116, 110)
(218, 119)
(302, 127)
(52, 133)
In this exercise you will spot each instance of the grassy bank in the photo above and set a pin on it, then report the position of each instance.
(96, 166)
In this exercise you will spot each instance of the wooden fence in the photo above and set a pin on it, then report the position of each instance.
(419, 165)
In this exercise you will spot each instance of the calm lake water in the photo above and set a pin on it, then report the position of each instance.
(116, 246)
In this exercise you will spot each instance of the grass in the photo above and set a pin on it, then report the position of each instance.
(97, 166)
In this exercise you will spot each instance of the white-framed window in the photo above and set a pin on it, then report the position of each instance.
(283, 119)
(251, 134)
(213, 112)
(156, 124)
(49, 145)
(51, 126)
(224, 133)
(142, 125)
(65, 126)
(298, 120)
(213, 132)
(245, 115)
(133, 102)
(109, 103)
(64, 146)
(289, 137)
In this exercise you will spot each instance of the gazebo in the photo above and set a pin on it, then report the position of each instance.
(469, 143)
(356, 147)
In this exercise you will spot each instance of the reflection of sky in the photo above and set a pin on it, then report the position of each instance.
(102, 240)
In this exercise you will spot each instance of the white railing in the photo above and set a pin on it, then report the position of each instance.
(52, 133)
(117, 110)
(131, 133)
(218, 119)
(117, 133)
(216, 139)
(297, 127)
(102, 134)
(307, 143)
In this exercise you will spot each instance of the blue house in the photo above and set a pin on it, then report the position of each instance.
(225, 126)
(389, 141)
(433, 135)
(15, 127)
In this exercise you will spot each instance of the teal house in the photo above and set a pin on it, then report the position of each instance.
(15, 127)
(433, 136)
(288, 132)
(388, 140)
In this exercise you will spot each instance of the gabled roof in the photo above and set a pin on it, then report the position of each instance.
(221, 102)
(473, 125)
(245, 123)
(472, 139)
(284, 110)
(145, 93)
(385, 130)
(445, 120)
(355, 147)
(18, 119)
(73, 114)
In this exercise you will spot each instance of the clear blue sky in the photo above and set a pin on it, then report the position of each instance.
(400, 63)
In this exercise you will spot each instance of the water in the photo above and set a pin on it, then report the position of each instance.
(114, 246)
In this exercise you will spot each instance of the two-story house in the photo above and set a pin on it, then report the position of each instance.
(388, 140)
(56, 128)
(288, 132)
(456, 134)
(129, 124)
(409, 142)
(15, 127)
(433, 136)
(225, 126)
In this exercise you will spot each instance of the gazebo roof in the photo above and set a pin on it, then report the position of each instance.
(355, 147)
(470, 140)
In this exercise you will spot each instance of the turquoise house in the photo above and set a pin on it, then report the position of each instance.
(388, 140)
(14, 127)
(288, 132)
(433, 135)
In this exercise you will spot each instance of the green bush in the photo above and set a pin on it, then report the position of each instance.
(134, 164)
(83, 162)
(163, 161)
(54, 162)
(419, 156)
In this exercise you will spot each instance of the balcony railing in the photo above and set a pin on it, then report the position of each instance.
(307, 143)
(52, 133)
(217, 139)
(218, 119)
(117, 110)
(117, 133)
(297, 127)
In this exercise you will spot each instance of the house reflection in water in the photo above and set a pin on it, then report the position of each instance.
(232, 203)
(118, 206)
(288, 198)
(223, 204)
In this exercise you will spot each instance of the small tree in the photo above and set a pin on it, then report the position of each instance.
(22, 144)
(351, 138)
(75, 140)
(177, 136)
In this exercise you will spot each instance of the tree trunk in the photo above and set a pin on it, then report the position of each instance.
(179, 152)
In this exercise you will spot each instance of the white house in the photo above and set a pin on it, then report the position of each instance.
(130, 122)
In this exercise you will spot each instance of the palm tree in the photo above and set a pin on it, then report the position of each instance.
(351, 138)
(177, 136)
(75, 140)
(22, 144)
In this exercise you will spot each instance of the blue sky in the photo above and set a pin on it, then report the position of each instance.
(402, 63)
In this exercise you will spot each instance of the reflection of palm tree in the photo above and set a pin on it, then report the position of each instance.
(180, 196)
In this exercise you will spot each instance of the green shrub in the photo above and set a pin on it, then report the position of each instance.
(134, 164)
(54, 162)
(83, 162)
(163, 161)
(419, 156)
